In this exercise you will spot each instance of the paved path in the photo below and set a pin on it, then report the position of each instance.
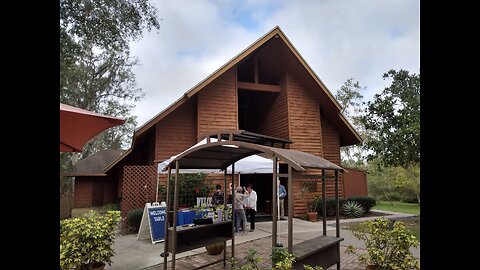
(132, 254)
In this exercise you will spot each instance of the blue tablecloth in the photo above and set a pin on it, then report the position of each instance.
(185, 217)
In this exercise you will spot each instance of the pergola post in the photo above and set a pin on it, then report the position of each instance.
(225, 214)
(175, 207)
(324, 203)
(233, 209)
(290, 210)
(167, 218)
(337, 205)
(338, 209)
(275, 203)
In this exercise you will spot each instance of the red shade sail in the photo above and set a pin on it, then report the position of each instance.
(78, 126)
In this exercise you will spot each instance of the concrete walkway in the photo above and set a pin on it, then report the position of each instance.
(131, 253)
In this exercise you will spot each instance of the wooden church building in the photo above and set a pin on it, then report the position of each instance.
(267, 89)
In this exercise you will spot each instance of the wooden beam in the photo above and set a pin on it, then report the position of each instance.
(259, 87)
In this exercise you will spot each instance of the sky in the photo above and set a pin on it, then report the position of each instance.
(338, 39)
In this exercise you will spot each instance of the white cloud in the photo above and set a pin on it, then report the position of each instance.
(338, 39)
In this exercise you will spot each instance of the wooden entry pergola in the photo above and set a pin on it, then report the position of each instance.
(322, 250)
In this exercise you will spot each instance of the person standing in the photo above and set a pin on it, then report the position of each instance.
(217, 198)
(240, 210)
(282, 193)
(251, 206)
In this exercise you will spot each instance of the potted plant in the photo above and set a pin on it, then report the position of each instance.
(387, 248)
(86, 242)
(311, 205)
(312, 210)
(215, 249)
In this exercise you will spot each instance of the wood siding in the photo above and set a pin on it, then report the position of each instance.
(176, 132)
(355, 183)
(331, 152)
(275, 122)
(304, 119)
(331, 140)
(83, 192)
(217, 104)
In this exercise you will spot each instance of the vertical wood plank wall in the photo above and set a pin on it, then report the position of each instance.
(304, 119)
(355, 183)
(176, 132)
(217, 104)
(275, 122)
(83, 192)
(306, 133)
(331, 152)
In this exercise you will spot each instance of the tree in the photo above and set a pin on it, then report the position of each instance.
(392, 124)
(392, 121)
(95, 62)
(349, 96)
(96, 65)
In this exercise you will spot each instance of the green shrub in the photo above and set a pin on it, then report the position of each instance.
(308, 267)
(190, 186)
(87, 241)
(282, 259)
(250, 262)
(393, 196)
(387, 247)
(134, 217)
(331, 210)
(367, 202)
(352, 209)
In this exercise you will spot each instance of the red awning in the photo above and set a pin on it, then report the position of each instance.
(78, 126)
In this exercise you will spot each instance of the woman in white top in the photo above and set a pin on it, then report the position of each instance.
(239, 208)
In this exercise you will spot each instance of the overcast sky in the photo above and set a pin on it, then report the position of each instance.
(338, 39)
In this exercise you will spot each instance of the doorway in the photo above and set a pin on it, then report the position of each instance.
(262, 184)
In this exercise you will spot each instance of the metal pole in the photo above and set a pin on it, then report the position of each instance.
(324, 203)
(158, 180)
(336, 204)
(167, 218)
(233, 210)
(275, 203)
(290, 210)
(175, 207)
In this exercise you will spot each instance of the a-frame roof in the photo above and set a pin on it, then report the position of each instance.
(353, 136)
(242, 55)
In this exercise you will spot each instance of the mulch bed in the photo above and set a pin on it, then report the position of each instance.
(369, 214)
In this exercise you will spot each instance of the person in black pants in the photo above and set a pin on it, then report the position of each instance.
(251, 206)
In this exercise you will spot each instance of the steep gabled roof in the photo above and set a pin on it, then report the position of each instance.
(275, 32)
(95, 164)
(238, 58)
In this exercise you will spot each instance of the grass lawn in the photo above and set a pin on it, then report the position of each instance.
(409, 208)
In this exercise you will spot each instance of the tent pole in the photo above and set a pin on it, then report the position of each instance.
(156, 193)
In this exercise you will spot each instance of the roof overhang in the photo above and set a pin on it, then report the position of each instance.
(220, 155)
(81, 174)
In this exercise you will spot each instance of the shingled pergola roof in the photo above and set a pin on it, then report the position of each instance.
(94, 165)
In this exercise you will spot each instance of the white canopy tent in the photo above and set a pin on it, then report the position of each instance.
(249, 165)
